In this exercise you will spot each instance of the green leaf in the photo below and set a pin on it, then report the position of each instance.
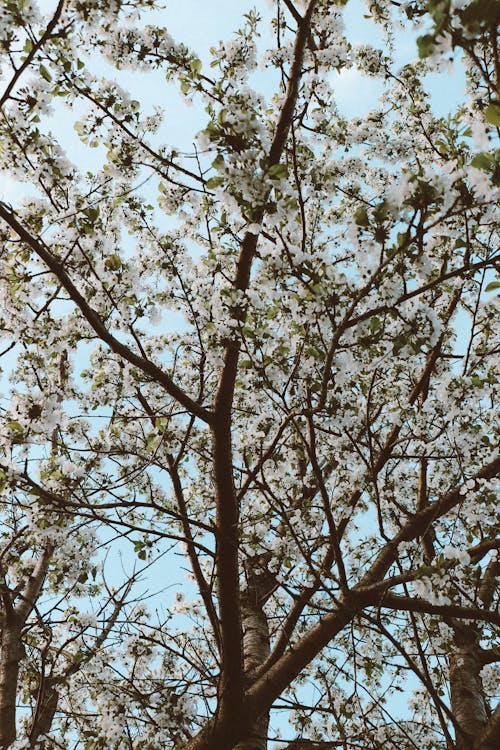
(492, 286)
(195, 66)
(113, 262)
(214, 182)
(92, 212)
(361, 217)
(492, 114)
(381, 211)
(424, 571)
(425, 44)
(212, 131)
(482, 161)
(399, 343)
(140, 550)
(375, 325)
(218, 162)
(45, 73)
(17, 431)
(151, 442)
(278, 172)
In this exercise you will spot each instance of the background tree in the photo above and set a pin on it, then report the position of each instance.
(313, 427)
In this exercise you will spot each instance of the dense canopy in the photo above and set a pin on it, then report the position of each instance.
(248, 429)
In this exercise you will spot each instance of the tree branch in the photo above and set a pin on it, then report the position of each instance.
(227, 517)
(34, 585)
(153, 372)
(33, 51)
(417, 525)
(410, 604)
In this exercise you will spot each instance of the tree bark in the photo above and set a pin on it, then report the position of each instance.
(10, 656)
(46, 707)
(256, 640)
(468, 703)
(12, 620)
(489, 739)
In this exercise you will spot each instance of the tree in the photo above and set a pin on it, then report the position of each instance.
(310, 435)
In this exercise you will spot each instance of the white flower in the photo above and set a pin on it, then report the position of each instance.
(155, 317)
(452, 553)
(254, 228)
(479, 133)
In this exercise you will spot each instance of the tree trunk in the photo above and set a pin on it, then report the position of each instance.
(47, 701)
(490, 737)
(12, 620)
(476, 729)
(468, 703)
(256, 642)
(10, 656)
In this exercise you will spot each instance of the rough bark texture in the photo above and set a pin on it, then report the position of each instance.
(10, 656)
(490, 737)
(467, 695)
(489, 582)
(12, 620)
(256, 641)
(47, 701)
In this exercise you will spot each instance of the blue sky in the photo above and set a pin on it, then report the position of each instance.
(200, 25)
